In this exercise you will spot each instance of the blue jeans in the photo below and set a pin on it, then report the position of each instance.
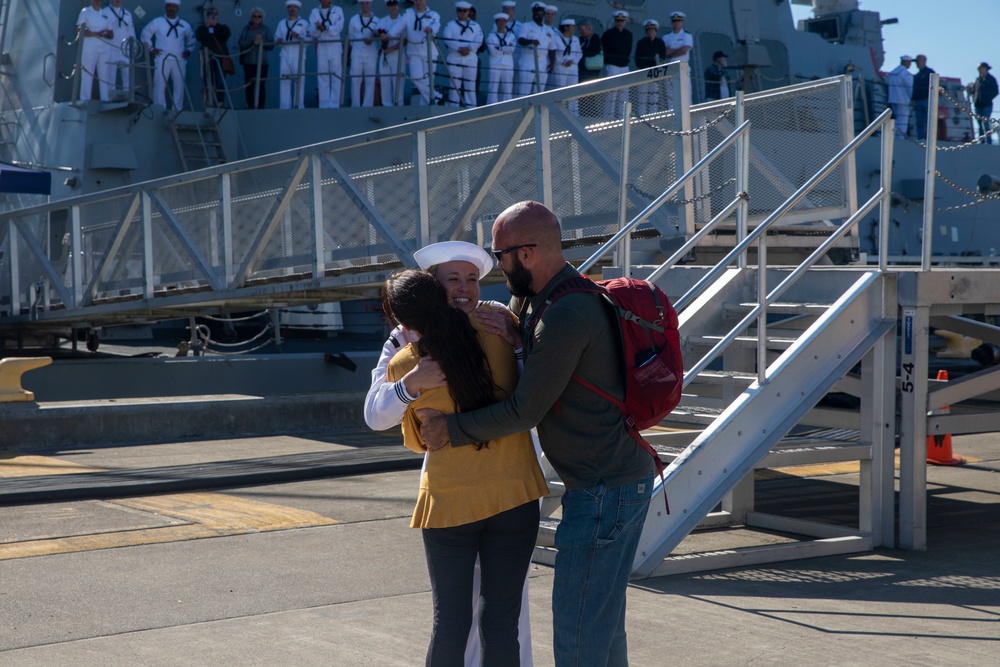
(597, 538)
(920, 111)
(985, 126)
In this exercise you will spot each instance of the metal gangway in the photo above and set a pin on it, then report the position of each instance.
(331, 221)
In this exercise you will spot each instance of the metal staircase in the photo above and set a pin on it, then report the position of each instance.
(752, 426)
(197, 138)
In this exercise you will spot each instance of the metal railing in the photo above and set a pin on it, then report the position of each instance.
(745, 239)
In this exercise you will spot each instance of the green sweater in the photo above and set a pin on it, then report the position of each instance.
(583, 435)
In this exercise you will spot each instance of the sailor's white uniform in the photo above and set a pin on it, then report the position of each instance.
(95, 52)
(364, 57)
(291, 34)
(123, 25)
(501, 50)
(565, 71)
(173, 39)
(389, 61)
(900, 92)
(413, 27)
(462, 69)
(327, 26)
(534, 60)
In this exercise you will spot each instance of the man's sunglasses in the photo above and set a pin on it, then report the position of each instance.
(500, 253)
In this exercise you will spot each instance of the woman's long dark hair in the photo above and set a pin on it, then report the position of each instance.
(417, 300)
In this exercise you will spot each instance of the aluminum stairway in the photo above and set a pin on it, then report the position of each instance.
(748, 428)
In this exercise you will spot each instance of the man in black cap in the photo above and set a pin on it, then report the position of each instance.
(716, 84)
(982, 91)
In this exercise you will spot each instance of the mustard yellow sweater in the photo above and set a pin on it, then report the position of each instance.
(462, 484)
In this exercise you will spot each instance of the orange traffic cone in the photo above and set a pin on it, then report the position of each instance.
(939, 446)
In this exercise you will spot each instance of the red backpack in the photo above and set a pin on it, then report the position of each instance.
(650, 343)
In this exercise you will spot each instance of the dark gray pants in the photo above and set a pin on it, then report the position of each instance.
(504, 544)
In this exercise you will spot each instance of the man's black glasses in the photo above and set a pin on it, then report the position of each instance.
(500, 253)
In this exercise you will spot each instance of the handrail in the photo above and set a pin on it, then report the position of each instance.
(662, 199)
(781, 210)
(759, 311)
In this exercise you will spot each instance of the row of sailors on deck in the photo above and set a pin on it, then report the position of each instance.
(524, 56)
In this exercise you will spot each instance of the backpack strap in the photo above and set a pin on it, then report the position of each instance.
(583, 284)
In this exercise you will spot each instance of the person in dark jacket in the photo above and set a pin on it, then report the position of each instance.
(214, 38)
(650, 51)
(716, 83)
(252, 54)
(617, 45)
(921, 85)
(591, 46)
(982, 91)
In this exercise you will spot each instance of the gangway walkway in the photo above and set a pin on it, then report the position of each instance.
(330, 221)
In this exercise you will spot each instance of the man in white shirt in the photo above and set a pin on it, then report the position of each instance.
(533, 39)
(419, 25)
(500, 46)
(95, 28)
(327, 25)
(463, 37)
(900, 94)
(509, 7)
(679, 42)
(390, 61)
(123, 27)
(290, 35)
(362, 32)
(170, 41)
(549, 21)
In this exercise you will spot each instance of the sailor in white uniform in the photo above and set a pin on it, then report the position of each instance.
(549, 21)
(419, 25)
(533, 39)
(327, 26)
(386, 402)
(900, 93)
(123, 27)
(95, 28)
(362, 31)
(170, 41)
(389, 59)
(568, 52)
(290, 34)
(500, 46)
(509, 7)
(463, 37)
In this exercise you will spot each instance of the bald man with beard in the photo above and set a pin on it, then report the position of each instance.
(608, 476)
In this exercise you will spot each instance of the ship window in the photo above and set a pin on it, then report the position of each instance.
(828, 28)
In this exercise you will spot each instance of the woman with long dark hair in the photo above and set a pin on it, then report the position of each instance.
(473, 501)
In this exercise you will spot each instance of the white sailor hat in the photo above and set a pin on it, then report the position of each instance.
(567, 22)
(508, 3)
(172, 2)
(538, 5)
(551, 8)
(620, 14)
(461, 4)
(500, 15)
(678, 15)
(454, 251)
(289, 3)
(905, 58)
(651, 23)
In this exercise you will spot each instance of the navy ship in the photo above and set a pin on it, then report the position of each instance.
(88, 147)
